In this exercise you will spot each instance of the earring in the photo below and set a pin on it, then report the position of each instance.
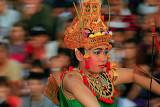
(87, 64)
(108, 56)
(108, 65)
(86, 55)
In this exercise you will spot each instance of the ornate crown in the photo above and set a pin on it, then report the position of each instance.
(88, 30)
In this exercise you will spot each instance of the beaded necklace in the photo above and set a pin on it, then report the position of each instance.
(101, 85)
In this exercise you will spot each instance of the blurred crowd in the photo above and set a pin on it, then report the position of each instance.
(32, 47)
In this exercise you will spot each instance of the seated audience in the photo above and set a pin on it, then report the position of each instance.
(17, 47)
(10, 69)
(40, 48)
(6, 99)
(36, 98)
(34, 13)
(7, 18)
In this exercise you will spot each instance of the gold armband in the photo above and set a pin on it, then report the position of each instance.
(114, 68)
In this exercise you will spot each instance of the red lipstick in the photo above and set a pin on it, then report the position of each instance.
(101, 66)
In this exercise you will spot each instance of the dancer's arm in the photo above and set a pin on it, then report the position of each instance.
(127, 76)
(73, 84)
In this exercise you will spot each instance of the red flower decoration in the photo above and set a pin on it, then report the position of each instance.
(106, 100)
(64, 72)
(109, 76)
(100, 98)
(95, 94)
(81, 71)
(70, 68)
(107, 71)
(112, 97)
(61, 76)
(111, 101)
(84, 77)
(115, 92)
(86, 82)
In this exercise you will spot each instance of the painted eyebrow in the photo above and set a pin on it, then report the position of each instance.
(100, 49)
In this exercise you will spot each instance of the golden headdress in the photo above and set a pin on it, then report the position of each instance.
(88, 30)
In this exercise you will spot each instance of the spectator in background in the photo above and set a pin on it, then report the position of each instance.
(40, 48)
(60, 39)
(34, 13)
(70, 13)
(10, 69)
(132, 91)
(49, 2)
(17, 47)
(58, 9)
(147, 7)
(130, 49)
(146, 47)
(117, 53)
(133, 5)
(147, 19)
(7, 18)
(131, 57)
(35, 67)
(60, 62)
(121, 18)
(5, 96)
(36, 98)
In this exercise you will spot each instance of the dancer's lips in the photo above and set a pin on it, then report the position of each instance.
(101, 66)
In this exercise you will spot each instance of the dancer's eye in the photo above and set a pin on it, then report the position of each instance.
(96, 52)
(106, 52)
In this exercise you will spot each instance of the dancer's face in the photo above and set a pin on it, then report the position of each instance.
(98, 58)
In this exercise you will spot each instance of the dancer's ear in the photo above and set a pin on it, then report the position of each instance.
(79, 55)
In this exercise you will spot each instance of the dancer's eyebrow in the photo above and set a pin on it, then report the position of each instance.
(98, 49)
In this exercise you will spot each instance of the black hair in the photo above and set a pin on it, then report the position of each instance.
(20, 24)
(4, 81)
(119, 30)
(130, 40)
(70, 20)
(38, 30)
(65, 51)
(35, 75)
(37, 64)
(5, 45)
(63, 4)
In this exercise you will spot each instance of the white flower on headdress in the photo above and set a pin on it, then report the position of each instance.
(110, 32)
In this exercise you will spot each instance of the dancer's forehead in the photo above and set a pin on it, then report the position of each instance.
(101, 47)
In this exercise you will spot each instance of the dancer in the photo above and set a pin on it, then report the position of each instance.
(92, 83)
